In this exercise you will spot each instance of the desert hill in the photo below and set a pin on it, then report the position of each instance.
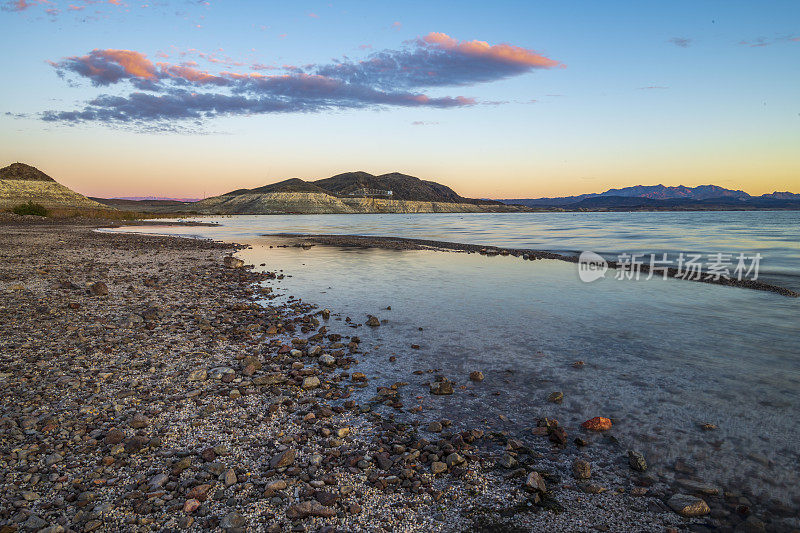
(21, 183)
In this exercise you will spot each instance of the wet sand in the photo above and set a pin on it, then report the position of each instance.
(146, 388)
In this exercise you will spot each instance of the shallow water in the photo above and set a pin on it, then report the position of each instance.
(662, 356)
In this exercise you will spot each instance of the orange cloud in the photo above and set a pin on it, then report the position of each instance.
(499, 52)
(134, 63)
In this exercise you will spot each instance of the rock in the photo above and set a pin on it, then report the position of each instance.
(157, 481)
(453, 459)
(507, 461)
(637, 461)
(199, 492)
(191, 505)
(229, 478)
(315, 350)
(373, 321)
(232, 262)
(98, 289)
(581, 469)
(441, 388)
(139, 421)
(688, 506)
(309, 508)
(114, 436)
(220, 372)
(198, 375)
(275, 486)
(597, 423)
(284, 459)
(232, 520)
(311, 382)
(555, 397)
(534, 482)
(251, 364)
(33, 523)
(327, 360)
(438, 467)
(52, 459)
(698, 487)
(435, 427)
(476, 375)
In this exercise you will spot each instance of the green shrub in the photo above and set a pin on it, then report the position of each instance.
(30, 209)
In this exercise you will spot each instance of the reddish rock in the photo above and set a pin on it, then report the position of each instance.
(597, 423)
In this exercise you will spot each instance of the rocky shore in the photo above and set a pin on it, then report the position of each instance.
(147, 386)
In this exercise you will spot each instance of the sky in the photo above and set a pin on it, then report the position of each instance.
(508, 99)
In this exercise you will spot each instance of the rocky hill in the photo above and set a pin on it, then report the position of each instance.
(21, 183)
(351, 192)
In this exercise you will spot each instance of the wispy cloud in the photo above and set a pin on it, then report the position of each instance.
(390, 78)
(683, 42)
(767, 41)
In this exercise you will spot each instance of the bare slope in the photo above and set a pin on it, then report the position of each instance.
(21, 183)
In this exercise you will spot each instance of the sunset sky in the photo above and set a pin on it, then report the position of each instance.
(511, 99)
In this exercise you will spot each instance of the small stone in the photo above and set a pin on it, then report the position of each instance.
(581, 469)
(688, 506)
(373, 321)
(327, 360)
(476, 375)
(311, 382)
(637, 461)
(435, 427)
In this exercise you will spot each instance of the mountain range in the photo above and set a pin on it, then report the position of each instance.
(660, 196)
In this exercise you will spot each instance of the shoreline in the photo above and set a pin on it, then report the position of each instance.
(187, 390)
(405, 243)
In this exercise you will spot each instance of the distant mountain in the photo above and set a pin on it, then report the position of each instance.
(351, 192)
(21, 183)
(155, 199)
(781, 195)
(661, 196)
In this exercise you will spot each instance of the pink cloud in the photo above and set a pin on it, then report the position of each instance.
(499, 52)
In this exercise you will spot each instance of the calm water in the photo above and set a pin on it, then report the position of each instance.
(662, 357)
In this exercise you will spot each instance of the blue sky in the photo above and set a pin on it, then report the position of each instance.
(564, 98)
